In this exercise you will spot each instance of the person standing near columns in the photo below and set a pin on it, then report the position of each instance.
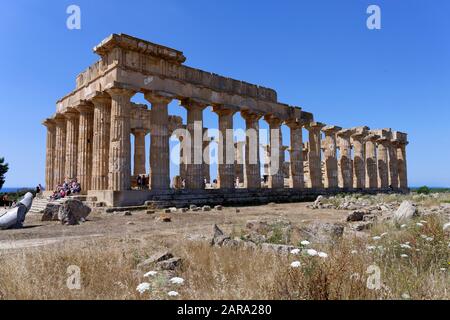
(314, 154)
(101, 137)
(72, 130)
(359, 157)
(50, 154)
(252, 167)
(194, 147)
(226, 152)
(330, 154)
(297, 178)
(85, 137)
(345, 159)
(371, 161)
(119, 177)
(276, 177)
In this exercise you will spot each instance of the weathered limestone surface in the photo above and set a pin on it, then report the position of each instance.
(276, 177)
(359, 157)
(60, 150)
(296, 155)
(226, 152)
(50, 154)
(345, 159)
(239, 166)
(100, 149)
(73, 118)
(371, 161)
(314, 155)
(383, 168)
(86, 133)
(330, 154)
(139, 151)
(252, 172)
(400, 142)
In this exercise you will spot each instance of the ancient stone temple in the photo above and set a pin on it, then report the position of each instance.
(89, 136)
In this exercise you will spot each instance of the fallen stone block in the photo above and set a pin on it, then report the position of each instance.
(155, 258)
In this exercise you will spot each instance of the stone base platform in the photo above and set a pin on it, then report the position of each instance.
(236, 197)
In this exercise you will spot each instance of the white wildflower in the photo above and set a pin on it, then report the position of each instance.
(406, 296)
(423, 221)
(305, 243)
(323, 255)
(177, 280)
(383, 234)
(370, 248)
(376, 238)
(404, 255)
(144, 286)
(173, 293)
(419, 224)
(295, 264)
(150, 274)
(403, 226)
(295, 251)
(429, 239)
(443, 269)
(405, 246)
(311, 252)
(354, 252)
(423, 236)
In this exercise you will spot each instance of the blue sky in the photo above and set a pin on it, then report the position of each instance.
(317, 54)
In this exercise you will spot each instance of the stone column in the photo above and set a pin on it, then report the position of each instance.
(226, 152)
(266, 149)
(371, 161)
(73, 120)
(50, 154)
(393, 165)
(194, 156)
(100, 149)
(276, 177)
(182, 159)
(359, 157)
(330, 154)
(297, 176)
(60, 150)
(85, 142)
(239, 161)
(119, 176)
(159, 144)
(139, 151)
(401, 141)
(252, 167)
(206, 156)
(345, 159)
(314, 155)
(383, 171)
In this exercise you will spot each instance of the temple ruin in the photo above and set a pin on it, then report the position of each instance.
(88, 137)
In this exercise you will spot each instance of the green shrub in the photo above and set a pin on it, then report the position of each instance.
(424, 190)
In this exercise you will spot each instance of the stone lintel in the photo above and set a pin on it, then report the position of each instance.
(330, 130)
(315, 126)
(372, 137)
(49, 123)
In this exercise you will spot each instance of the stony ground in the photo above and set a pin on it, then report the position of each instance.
(316, 250)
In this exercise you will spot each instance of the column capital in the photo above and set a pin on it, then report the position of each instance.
(84, 107)
(101, 98)
(118, 91)
(371, 137)
(273, 121)
(190, 103)
(139, 131)
(250, 115)
(331, 130)
(315, 126)
(158, 97)
(222, 110)
(383, 141)
(59, 119)
(296, 123)
(71, 113)
(345, 133)
(49, 123)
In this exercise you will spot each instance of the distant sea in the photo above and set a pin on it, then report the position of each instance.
(9, 190)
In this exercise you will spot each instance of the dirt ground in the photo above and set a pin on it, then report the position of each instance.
(141, 225)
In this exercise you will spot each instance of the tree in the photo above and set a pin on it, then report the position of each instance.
(4, 167)
(423, 190)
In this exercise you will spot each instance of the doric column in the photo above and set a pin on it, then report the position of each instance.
(182, 158)
(226, 150)
(159, 144)
(345, 159)
(359, 157)
(330, 154)
(276, 177)
(297, 176)
(60, 150)
(100, 148)
(314, 154)
(85, 143)
(139, 151)
(401, 141)
(50, 154)
(73, 120)
(393, 165)
(371, 161)
(252, 168)
(383, 171)
(206, 155)
(239, 161)
(119, 176)
(194, 153)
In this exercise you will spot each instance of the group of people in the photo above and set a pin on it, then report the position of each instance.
(142, 182)
(66, 189)
(6, 202)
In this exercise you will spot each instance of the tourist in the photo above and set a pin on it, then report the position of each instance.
(38, 189)
(139, 182)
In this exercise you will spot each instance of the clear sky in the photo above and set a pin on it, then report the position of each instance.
(317, 54)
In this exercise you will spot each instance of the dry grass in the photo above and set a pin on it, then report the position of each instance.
(108, 269)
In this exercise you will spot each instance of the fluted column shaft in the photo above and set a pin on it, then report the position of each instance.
(194, 151)
(139, 151)
(276, 177)
(120, 145)
(330, 154)
(85, 144)
(72, 144)
(371, 162)
(383, 172)
(359, 160)
(60, 150)
(226, 150)
(297, 176)
(314, 154)
(402, 166)
(345, 159)
(50, 155)
(252, 170)
(206, 157)
(100, 149)
(393, 166)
